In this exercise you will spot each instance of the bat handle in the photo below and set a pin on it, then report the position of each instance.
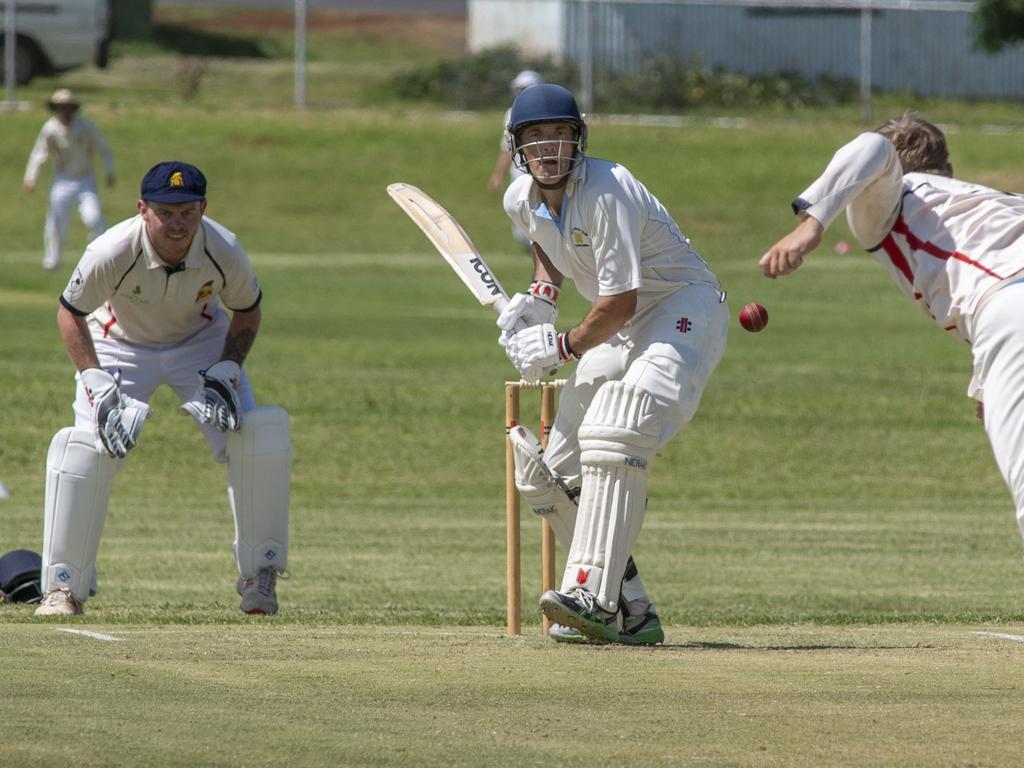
(499, 304)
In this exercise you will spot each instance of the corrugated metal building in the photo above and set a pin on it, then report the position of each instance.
(922, 47)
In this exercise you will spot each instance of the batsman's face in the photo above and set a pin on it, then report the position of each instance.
(549, 149)
(171, 226)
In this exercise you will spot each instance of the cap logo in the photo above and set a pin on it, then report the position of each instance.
(177, 180)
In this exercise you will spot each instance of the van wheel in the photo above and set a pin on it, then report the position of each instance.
(26, 63)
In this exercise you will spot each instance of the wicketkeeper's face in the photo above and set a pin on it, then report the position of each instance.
(549, 149)
(171, 226)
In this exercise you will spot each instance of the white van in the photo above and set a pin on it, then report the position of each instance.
(54, 35)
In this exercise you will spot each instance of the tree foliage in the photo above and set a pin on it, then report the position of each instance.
(998, 23)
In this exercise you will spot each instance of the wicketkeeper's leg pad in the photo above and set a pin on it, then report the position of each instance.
(619, 438)
(259, 489)
(546, 493)
(78, 483)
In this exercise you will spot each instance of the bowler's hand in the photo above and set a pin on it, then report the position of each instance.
(28, 186)
(788, 254)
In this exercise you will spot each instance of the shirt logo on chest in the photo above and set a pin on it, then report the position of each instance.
(580, 239)
(205, 291)
(135, 296)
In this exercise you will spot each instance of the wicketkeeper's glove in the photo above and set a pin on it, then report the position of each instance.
(216, 400)
(118, 417)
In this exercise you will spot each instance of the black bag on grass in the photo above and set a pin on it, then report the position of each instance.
(21, 577)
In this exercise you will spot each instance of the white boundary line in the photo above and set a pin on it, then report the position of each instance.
(1001, 636)
(92, 635)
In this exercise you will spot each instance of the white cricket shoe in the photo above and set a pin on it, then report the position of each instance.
(563, 634)
(59, 602)
(50, 264)
(259, 593)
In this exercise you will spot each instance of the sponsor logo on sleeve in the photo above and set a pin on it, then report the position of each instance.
(75, 285)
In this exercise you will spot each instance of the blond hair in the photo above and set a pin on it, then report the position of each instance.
(921, 145)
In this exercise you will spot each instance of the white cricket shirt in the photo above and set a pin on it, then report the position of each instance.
(130, 294)
(71, 148)
(612, 236)
(945, 242)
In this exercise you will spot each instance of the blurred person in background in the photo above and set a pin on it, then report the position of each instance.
(70, 140)
(504, 165)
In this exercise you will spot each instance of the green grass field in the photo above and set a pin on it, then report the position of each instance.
(825, 542)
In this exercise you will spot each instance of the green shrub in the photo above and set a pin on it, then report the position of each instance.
(661, 83)
(474, 81)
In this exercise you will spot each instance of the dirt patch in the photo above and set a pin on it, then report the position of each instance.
(444, 33)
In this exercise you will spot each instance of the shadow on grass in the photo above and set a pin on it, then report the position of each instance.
(196, 42)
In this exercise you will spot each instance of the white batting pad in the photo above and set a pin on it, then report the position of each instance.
(78, 483)
(546, 494)
(619, 437)
(259, 489)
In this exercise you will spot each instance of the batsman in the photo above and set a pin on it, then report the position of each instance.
(643, 354)
(143, 308)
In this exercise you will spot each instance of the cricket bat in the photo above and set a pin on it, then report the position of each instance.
(452, 243)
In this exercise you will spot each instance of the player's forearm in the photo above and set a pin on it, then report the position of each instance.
(607, 316)
(543, 269)
(77, 340)
(241, 335)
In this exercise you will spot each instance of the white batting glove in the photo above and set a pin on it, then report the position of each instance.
(118, 418)
(538, 350)
(216, 400)
(537, 306)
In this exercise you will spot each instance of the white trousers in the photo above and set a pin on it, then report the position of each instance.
(998, 350)
(143, 369)
(669, 352)
(65, 194)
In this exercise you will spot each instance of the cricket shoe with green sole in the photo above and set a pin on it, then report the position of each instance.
(579, 610)
(643, 629)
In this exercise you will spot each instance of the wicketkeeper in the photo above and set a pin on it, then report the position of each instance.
(70, 140)
(654, 333)
(143, 308)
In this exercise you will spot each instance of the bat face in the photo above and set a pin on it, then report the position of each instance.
(452, 243)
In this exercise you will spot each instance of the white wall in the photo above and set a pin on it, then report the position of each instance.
(535, 26)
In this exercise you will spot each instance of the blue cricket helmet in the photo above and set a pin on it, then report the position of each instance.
(546, 103)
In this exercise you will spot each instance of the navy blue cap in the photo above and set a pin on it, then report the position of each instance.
(173, 182)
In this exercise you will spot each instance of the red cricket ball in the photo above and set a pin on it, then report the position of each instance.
(754, 317)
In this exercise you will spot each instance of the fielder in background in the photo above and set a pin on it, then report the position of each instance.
(71, 140)
(955, 249)
(142, 309)
(654, 333)
(504, 163)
